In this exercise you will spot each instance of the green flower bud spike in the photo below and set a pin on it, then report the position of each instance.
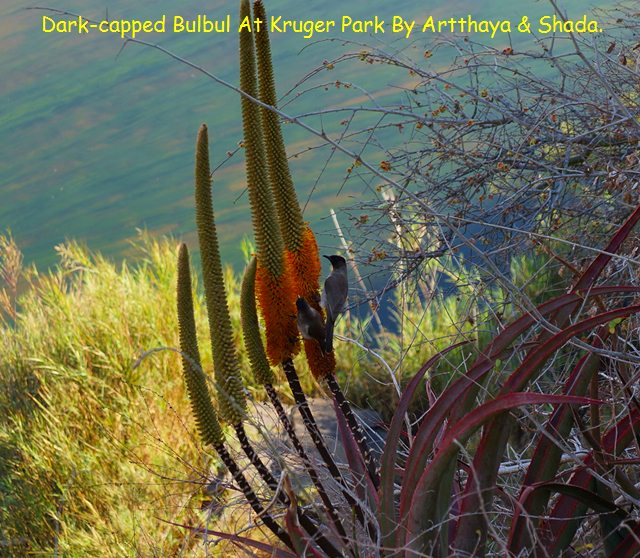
(291, 222)
(275, 289)
(201, 405)
(231, 397)
(250, 328)
(268, 238)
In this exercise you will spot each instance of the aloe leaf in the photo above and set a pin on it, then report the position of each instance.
(593, 271)
(537, 357)
(609, 515)
(434, 417)
(560, 528)
(452, 396)
(388, 521)
(611, 530)
(594, 501)
(588, 278)
(421, 518)
(301, 542)
(492, 445)
(630, 545)
(546, 456)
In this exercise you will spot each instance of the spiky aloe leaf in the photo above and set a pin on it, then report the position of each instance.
(594, 270)
(451, 398)
(558, 531)
(629, 547)
(388, 516)
(588, 497)
(493, 442)
(289, 214)
(537, 357)
(274, 286)
(231, 398)
(422, 516)
(611, 517)
(199, 397)
(587, 279)
(546, 457)
(301, 542)
(250, 328)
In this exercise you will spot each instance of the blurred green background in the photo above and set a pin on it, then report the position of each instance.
(97, 142)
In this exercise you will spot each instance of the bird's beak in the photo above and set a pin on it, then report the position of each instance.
(326, 257)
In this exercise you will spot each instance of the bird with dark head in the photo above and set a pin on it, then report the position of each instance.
(310, 323)
(334, 296)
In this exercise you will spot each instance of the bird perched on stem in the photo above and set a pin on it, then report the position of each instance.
(334, 296)
(310, 323)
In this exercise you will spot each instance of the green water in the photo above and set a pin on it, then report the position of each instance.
(96, 142)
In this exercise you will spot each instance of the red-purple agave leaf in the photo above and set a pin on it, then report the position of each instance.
(536, 358)
(610, 516)
(388, 521)
(558, 531)
(588, 278)
(630, 546)
(363, 483)
(421, 447)
(593, 271)
(493, 442)
(546, 457)
(454, 394)
(302, 543)
(420, 518)
(596, 502)
(451, 397)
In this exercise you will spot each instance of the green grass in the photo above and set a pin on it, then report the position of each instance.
(98, 448)
(94, 451)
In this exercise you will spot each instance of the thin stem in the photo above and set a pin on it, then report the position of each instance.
(316, 436)
(313, 474)
(356, 430)
(272, 483)
(251, 497)
(246, 446)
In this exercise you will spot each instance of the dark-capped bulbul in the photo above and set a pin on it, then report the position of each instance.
(334, 295)
(310, 324)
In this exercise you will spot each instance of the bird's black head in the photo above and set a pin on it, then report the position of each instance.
(336, 261)
(301, 303)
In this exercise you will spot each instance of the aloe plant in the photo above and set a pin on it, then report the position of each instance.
(412, 511)
(432, 493)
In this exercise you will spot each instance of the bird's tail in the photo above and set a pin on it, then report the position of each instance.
(328, 340)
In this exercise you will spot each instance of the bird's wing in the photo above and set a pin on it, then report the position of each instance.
(335, 291)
